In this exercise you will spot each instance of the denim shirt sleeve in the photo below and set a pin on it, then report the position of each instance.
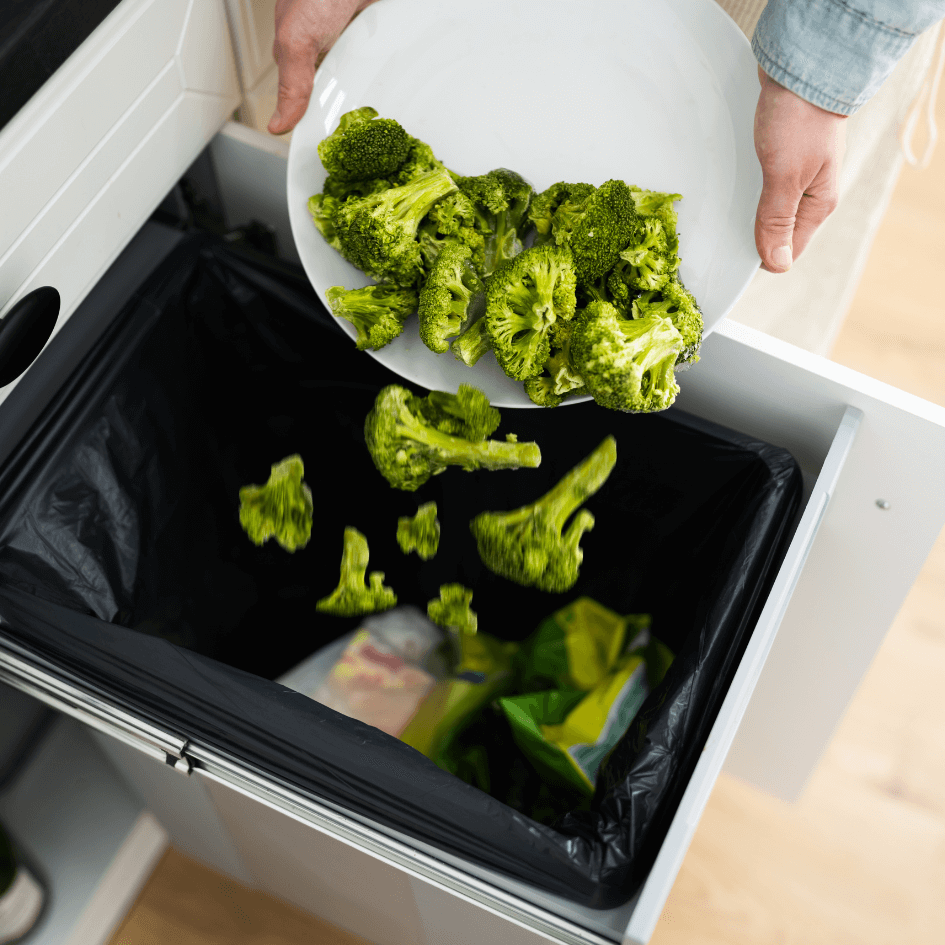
(837, 53)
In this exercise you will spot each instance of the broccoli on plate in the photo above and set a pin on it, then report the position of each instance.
(364, 146)
(675, 302)
(450, 292)
(378, 232)
(281, 509)
(473, 343)
(626, 363)
(407, 448)
(529, 545)
(352, 597)
(524, 299)
(377, 312)
(420, 533)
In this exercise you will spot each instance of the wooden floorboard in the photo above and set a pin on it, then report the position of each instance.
(860, 860)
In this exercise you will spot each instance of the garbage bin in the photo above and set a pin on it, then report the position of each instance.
(123, 561)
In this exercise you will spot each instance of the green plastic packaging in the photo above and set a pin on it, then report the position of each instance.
(600, 667)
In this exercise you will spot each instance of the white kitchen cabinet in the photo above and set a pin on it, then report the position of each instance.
(873, 460)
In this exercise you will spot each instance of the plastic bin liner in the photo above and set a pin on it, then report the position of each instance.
(122, 560)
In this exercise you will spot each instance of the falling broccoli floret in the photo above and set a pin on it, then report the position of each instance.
(524, 299)
(543, 207)
(407, 449)
(596, 226)
(281, 509)
(677, 303)
(650, 260)
(378, 233)
(421, 533)
(449, 296)
(467, 413)
(378, 312)
(529, 545)
(364, 146)
(451, 609)
(352, 597)
(627, 363)
(500, 201)
(473, 343)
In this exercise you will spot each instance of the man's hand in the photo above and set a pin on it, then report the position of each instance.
(305, 31)
(800, 147)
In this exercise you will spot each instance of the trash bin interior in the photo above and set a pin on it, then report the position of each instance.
(122, 557)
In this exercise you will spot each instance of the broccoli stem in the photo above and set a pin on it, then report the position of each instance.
(472, 344)
(491, 454)
(571, 491)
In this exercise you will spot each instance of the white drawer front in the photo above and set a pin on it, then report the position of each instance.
(97, 148)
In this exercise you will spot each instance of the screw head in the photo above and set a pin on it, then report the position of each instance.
(882, 504)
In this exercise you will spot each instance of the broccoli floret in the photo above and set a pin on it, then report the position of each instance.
(378, 312)
(323, 208)
(421, 533)
(627, 363)
(343, 189)
(473, 343)
(451, 609)
(378, 233)
(524, 299)
(364, 146)
(407, 449)
(467, 413)
(529, 545)
(448, 294)
(559, 379)
(352, 597)
(543, 207)
(420, 160)
(650, 259)
(453, 217)
(500, 201)
(596, 226)
(281, 509)
(677, 303)
(651, 203)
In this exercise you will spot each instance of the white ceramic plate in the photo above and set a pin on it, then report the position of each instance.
(660, 93)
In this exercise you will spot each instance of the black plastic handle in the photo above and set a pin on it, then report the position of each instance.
(24, 330)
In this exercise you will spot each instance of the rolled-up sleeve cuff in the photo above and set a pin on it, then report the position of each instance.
(829, 52)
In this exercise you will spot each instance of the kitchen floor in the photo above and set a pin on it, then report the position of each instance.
(861, 857)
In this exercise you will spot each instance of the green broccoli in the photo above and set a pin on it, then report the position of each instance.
(500, 201)
(407, 449)
(650, 259)
(378, 233)
(524, 299)
(451, 609)
(421, 533)
(627, 363)
(651, 203)
(529, 545)
(343, 189)
(323, 208)
(558, 380)
(596, 226)
(364, 146)
(451, 289)
(473, 343)
(467, 413)
(420, 160)
(281, 509)
(352, 598)
(677, 304)
(543, 207)
(453, 217)
(378, 312)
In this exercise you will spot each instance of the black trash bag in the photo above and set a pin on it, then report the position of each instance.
(122, 560)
